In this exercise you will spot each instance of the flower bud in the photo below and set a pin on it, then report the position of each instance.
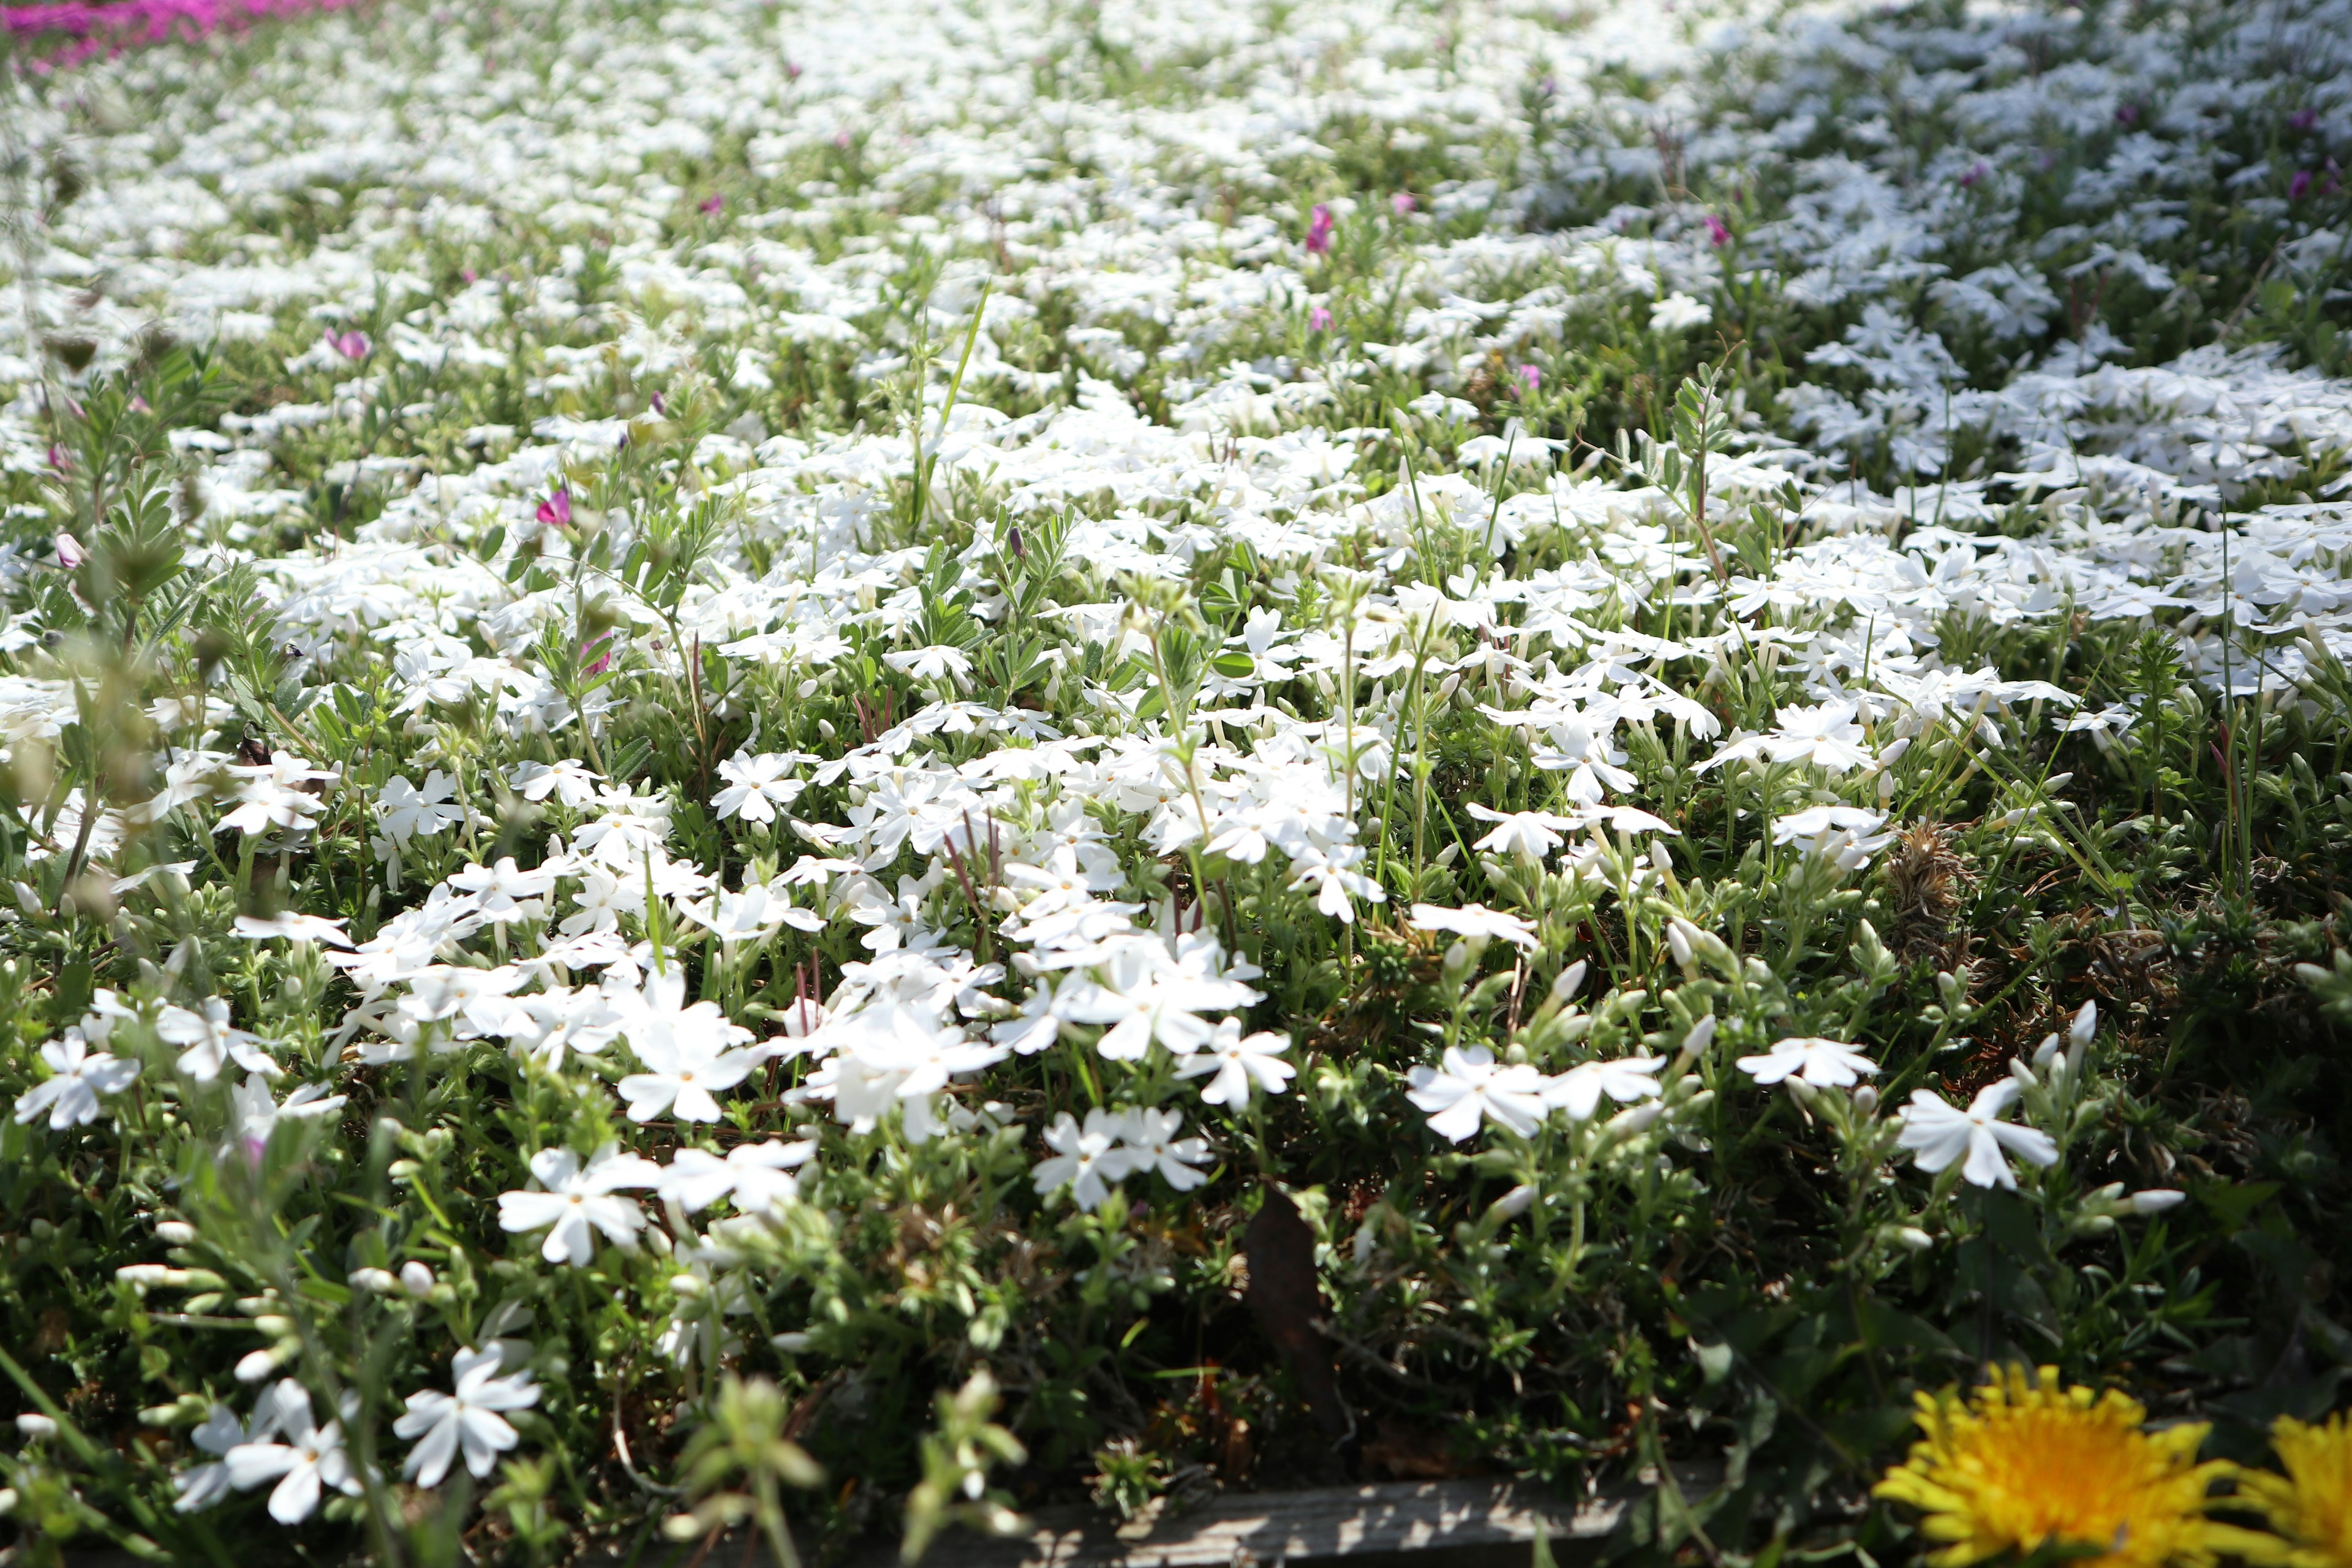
(417, 1278)
(2085, 1025)
(33, 1424)
(2046, 1052)
(176, 1232)
(1865, 1101)
(1513, 1203)
(1912, 1236)
(2155, 1200)
(1679, 946)
(1569, 981)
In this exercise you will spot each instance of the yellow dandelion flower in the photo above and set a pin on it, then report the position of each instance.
(2021, 1464)
(2311, 1505)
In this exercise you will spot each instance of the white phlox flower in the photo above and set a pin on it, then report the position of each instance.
(1623, 1080)
(1468, 1087)
(78, 1077)
(1238, 1062)
(756, 1176)
(1477, 922)
(471, 1417)
(1824, 1064)
(310, 1460)
(576, 1201)
(208, 1041)
(1940, 1134)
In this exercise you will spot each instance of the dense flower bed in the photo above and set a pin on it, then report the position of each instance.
(862, 764)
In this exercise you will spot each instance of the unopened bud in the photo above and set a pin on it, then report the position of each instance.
(1513, 1203)
(1569, 981)
(2155, 1200)
(1865, 1101)
(417, 1278)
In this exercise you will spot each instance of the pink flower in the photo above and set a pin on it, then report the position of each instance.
(792, 70)
(1530, 377)
(840, 139)
(2302, 119)
(1319, 231)
(69, 551)
(714, 205)
(1977, 172)
(603, 660)
(2300, 186)
(1717, 234)
(555, 512)
(352, 345)
(58, 459)
(1319, 320)
(2126, 114)
(469, 275)
(1401, 203)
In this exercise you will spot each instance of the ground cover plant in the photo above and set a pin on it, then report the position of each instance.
(839, 768)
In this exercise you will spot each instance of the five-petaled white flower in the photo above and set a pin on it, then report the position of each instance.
(468, 1418)
(579, 1201)
(1625, 1079)
(757, 1176)
(1238, 1061)
(757, 787)
(1475, 922)
(1468, 1087)
(1149, 1142)
(310, 1460)
(77, 1076)
(208, 1041)
(1085, 1158)
(1824, 1064)
(1938, 1134)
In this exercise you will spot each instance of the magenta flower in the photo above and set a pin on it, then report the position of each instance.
(555, 512)
(603, 660)
(2126, 114)
(1401, 203)
(352, 345)
(1319, 320)
(714, 205)
(2302, 119)
(1717, 234)
(1530, 377)
(1977, 172)
(58, 459)
(1319, 231)
(2300, 186)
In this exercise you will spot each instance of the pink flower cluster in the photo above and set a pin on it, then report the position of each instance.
(112, 28)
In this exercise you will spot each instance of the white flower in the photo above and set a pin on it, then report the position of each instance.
(1477, 922)
(1678, 313)
(310, 1459)
(470, 1419)
(1148, 1137)
(293, 927)
(569, 782)
(403, 811)
(757, 1176)
(1239, 1061)
(271, 795)
(209, 1042)
(1845, 835)
(505, 891)
(1828, 736)
(258, 1111)
(1938, 1134)
(1824, 1064)
(756, 786)
(578, 1202)
(78, 1077)
(682, 1073)
(1529, 835)
(1085, 1159)
(1625, 1080)
(1468, 1087)
(200, 1485)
